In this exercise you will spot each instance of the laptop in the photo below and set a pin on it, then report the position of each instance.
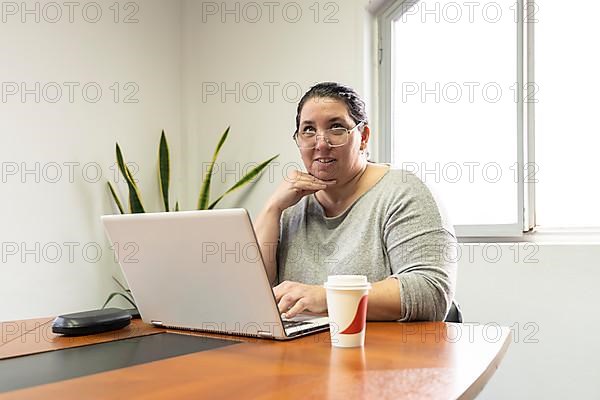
(201, 271)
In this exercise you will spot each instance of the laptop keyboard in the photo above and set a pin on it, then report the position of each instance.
(292, 324)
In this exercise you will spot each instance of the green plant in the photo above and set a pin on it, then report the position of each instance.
(135, 199)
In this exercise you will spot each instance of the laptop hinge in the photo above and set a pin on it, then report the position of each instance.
(157, 323)
(265, 334)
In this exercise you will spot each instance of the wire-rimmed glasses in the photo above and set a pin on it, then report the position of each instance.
(334, 137)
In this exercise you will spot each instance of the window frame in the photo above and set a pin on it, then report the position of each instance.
(525, 128)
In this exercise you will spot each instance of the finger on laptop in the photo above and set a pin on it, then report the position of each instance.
(296, 309)
(286, 302)
(281, 289)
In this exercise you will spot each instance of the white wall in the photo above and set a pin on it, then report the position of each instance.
(273, 51)
(49, 211)
(547, 294)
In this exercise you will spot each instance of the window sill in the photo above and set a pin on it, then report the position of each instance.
(558, 236)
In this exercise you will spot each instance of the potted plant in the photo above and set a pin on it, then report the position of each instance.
(135, 199)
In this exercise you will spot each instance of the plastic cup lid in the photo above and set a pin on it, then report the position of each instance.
(347, 282)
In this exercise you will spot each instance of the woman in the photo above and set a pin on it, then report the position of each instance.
(347, 215)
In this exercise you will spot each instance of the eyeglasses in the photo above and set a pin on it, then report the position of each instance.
(334, 137)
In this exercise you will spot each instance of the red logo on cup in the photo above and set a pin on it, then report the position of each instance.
(358, 323)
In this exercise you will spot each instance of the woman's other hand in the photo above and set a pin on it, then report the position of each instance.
(295, 187)
(294, 298)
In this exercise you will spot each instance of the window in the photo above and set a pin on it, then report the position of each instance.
(567, 134)
(458, 98)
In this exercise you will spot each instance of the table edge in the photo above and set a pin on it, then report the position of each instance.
(478, 384)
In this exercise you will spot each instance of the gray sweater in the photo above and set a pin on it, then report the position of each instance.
(394, 229)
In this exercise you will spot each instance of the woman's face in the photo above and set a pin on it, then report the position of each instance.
(325, 162)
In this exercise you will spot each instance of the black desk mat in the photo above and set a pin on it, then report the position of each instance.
(58, 365)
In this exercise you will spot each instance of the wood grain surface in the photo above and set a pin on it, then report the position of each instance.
(429, 360)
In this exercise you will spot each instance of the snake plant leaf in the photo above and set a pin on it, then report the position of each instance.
(114, 294)
(163, 169)
(135, 201)
(205, 189)
(115, 197)
(244, 180)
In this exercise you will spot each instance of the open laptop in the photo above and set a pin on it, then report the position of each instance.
(201, 270)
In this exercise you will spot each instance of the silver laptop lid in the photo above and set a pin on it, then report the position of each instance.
(196, 269)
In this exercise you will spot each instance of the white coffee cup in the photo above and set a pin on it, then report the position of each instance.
(347, 297)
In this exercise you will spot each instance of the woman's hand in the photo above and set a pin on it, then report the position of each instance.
(294, 298)
(294, 187)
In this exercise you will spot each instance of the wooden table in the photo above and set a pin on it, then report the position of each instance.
(431, 360)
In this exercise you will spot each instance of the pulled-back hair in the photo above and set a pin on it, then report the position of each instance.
(333, 90)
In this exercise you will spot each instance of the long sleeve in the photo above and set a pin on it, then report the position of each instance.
(422, 254)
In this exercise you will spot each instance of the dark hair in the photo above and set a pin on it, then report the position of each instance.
(333, 90)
